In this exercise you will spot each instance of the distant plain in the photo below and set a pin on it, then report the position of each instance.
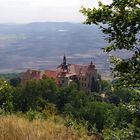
(42, 46)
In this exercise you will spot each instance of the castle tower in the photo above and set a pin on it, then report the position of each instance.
(91, 66)
(64, 60)
(64, 64)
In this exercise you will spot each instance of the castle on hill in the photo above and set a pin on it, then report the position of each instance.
(85, 76)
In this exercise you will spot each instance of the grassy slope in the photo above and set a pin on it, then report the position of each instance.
(15, 128)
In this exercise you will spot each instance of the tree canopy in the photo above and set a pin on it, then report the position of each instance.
(120, 22)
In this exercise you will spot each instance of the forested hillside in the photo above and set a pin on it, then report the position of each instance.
(110, 113)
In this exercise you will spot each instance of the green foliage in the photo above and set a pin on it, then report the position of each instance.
(121, 25)
(34, 94)
(122, 95)
(119, 134)
(50, 110)
(8, 76)
(31, 115)
(87, 113)
(96, 113)
(81, 126)
(6, 98)
(95, 85)
(105, 85)
(67, 94)
(94, 96)
(2, 111)
(15, 81)
(120, 22)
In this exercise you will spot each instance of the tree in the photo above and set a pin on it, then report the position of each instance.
(15, 81)
(97, 113)
(6, 96)
(94, 85)
(34, 94)
(120, 22)
(105, 85)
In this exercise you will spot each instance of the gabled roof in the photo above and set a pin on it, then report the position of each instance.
(76, 69)
(69, 71)
(51, 73)
(80, 69)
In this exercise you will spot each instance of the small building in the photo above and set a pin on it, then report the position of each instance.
(31, 74)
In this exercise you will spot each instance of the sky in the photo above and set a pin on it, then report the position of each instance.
(26, 11)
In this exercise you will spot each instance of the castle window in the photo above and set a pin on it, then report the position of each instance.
(85, 85)
(63, 81)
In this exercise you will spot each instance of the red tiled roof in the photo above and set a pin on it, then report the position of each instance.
(51, 73)
(31, 74)
(73, 69)
(76, 69)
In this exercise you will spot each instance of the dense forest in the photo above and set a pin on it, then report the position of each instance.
(113, 113)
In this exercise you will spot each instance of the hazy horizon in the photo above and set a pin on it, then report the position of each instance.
(42, 45)
(27, 11)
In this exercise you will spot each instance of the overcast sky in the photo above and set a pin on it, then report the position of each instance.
(25, 11)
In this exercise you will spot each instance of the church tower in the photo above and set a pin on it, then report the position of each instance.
(64, 60)
(64, 64)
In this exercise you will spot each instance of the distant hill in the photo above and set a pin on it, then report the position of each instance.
(42, 45)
